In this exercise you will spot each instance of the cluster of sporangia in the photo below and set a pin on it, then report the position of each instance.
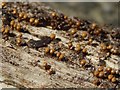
(52, 52)
(48, 68)
(105, 73)
(12, 18)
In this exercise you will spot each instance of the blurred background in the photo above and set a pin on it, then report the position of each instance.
(104, 13)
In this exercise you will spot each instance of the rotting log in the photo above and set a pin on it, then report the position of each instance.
(24, 62)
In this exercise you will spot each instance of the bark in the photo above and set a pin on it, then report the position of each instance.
(22, 66)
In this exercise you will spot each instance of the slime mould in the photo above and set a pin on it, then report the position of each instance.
(81, 43)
